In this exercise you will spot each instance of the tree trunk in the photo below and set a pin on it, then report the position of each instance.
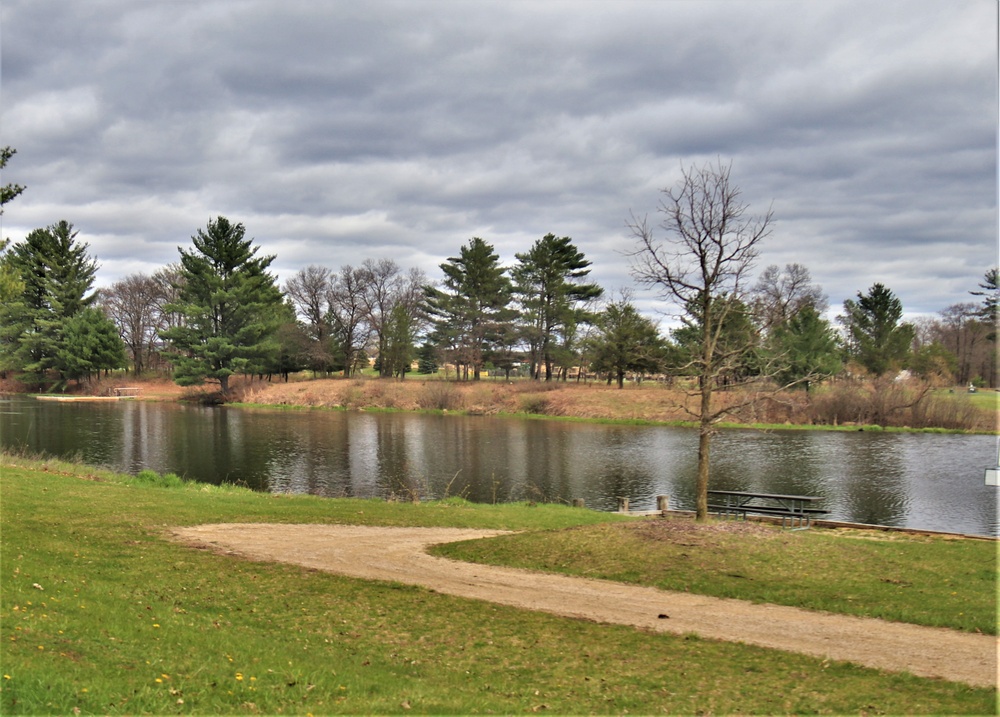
(704, 444)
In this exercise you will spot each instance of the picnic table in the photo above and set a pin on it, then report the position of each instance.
(795, 511)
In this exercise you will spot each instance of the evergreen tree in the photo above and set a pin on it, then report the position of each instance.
(989, 310)
(90, 344)
(807, 348)
(550, 288)
(289, 349)
(626, 341)
(57, 275)
(469, 314)
(10, 283)
(876, 337)
(230, 307)
(8, 191)
(427, 359)
(397, 357)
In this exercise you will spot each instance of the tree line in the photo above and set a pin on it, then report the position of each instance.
(219, 311)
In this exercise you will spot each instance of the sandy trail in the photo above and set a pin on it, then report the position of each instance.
(399, 554)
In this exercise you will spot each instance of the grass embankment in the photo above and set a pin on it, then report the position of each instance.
(102, 614)
(843, 404)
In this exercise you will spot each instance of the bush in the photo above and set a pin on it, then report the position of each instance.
(439, 395)
(888, 403)
(533, 403)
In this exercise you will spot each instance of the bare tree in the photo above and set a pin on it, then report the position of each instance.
(348, 312)
(310, 290)
(385, 287)
(135, 304)
(961, 331)
(779, 295)
(380, 279)
(702, 266)
(169, 280)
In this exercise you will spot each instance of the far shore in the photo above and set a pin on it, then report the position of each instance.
(638, 403)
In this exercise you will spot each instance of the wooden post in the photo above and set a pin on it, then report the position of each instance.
(663, 503)
(622, 504)
(578, 503)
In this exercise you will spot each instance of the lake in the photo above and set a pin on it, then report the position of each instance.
(926, 481)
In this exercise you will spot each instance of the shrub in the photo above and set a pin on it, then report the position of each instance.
(439, 395)
(895, 403)
(533, 403)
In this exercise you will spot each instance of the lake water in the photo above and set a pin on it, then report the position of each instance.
(927, 481)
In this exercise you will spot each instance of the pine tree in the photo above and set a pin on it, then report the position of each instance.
(807, 348)
(989, 310)
(876, 336)
(469, 314)
(10, 283)
(230, 307)
(550, 288)
(57, 275)
(90, 344)
(626, 342)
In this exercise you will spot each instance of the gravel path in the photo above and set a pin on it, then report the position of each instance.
(399, 554)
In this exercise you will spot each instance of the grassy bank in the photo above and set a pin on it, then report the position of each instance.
(924, 580)
(841, 404)
(100, 613)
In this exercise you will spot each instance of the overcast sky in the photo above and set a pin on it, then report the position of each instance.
(337, 131)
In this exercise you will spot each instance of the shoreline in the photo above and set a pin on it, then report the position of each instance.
(725, 425)
(80, 398)
(646, 404)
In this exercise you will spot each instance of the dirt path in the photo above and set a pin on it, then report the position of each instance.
(398, 554)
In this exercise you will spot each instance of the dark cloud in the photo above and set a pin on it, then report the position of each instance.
(338, 131)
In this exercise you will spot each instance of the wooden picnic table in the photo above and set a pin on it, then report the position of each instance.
(795, 511)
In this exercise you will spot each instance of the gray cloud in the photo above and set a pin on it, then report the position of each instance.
(337, 131)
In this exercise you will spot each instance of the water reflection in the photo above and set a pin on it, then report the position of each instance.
(873, 484)
(919, 480)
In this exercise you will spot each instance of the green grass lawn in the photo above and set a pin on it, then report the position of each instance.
(933, 581)
(100, 613)
(988, 400)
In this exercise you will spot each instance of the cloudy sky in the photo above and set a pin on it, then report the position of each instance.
(338, 131)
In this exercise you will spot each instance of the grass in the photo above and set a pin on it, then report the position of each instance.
(986, 400)
(100, 613)
(932, 581)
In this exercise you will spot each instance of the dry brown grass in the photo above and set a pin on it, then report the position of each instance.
(840, 403)
(647, 402)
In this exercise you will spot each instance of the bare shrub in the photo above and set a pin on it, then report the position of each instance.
(942, 411)
(439, 395)
(896, 404)
(789, 407)
(839, 404)
(533, 403)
